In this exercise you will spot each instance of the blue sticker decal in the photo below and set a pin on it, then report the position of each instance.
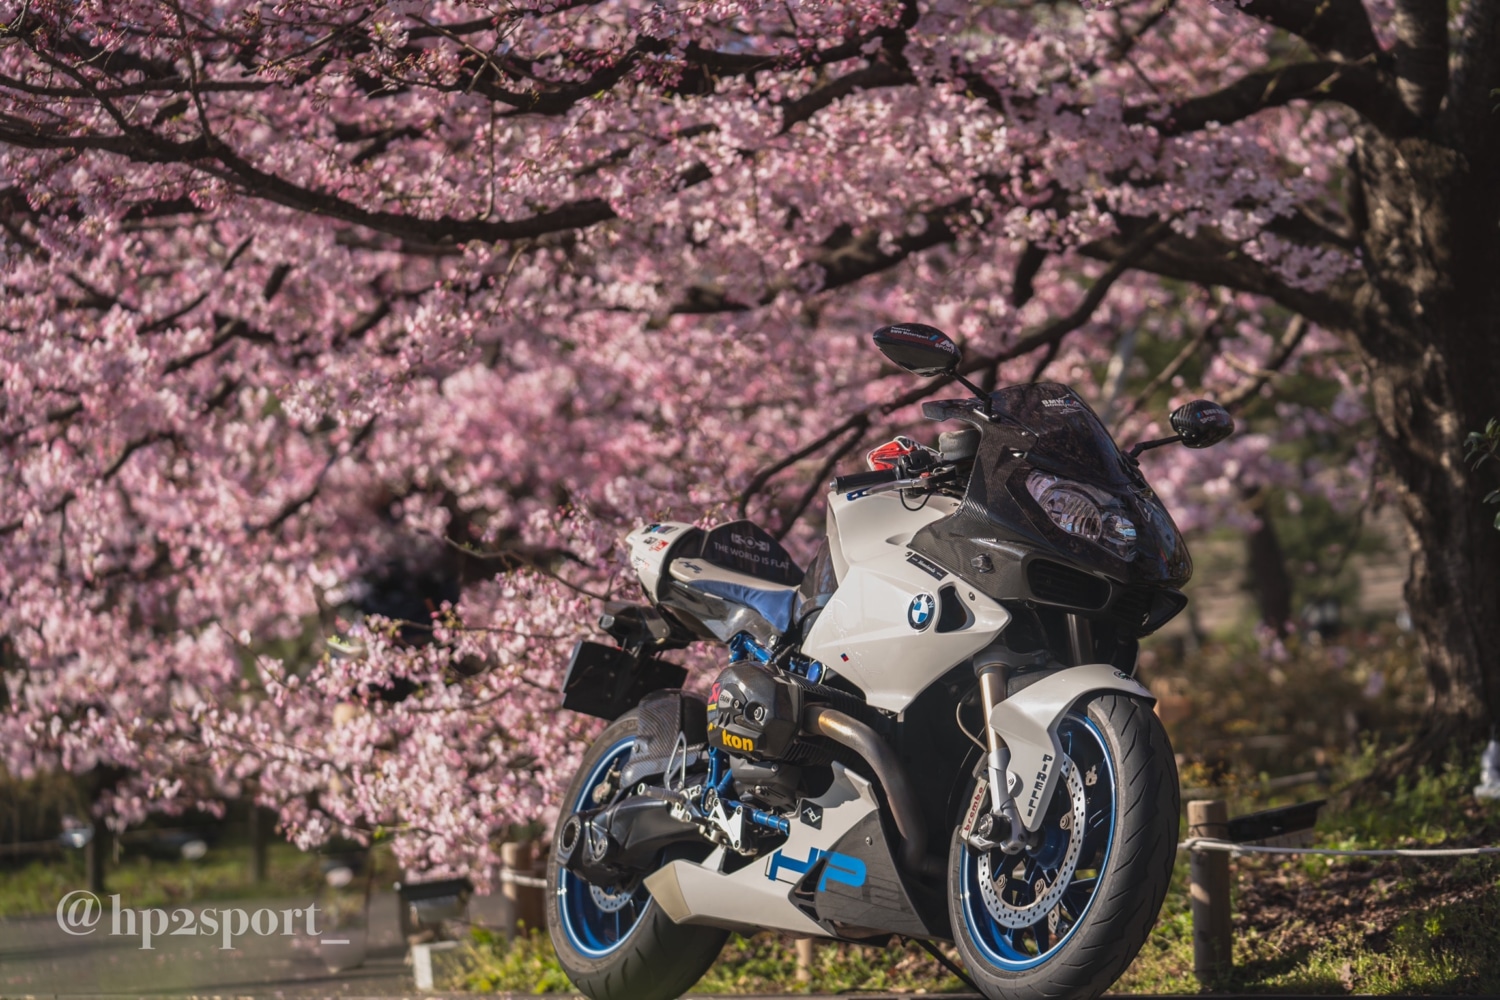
(840, 868)
(921, 612)
(779, 861)
(843, 869)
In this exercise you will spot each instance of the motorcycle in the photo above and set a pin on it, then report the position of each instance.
(933, 731)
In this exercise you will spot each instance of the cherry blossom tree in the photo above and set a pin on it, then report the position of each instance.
(301, 300)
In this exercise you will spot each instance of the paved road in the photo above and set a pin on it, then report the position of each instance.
(37, 957)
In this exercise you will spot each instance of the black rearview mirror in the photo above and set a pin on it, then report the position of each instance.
(921, 350)
(1202, 423)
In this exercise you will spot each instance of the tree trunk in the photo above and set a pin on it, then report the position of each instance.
(96, 858)
(1268, 578)
(261, 820)
(1429, 320)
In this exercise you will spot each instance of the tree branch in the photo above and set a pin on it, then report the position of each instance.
(229, 329)
(1209, 259)
(818, 480)
(1022, 286)
(1358, 87)
(1291, 339)
(156, 85)
(866, 78)
(1205, 335)
(1335, 27)
(860, 420)
(145, 440)
(105, 475)
(1127, 258)
(1301, 227)
(844, 258)
(151, 148)
(292, 507)
(485, 73)
(1048, 337)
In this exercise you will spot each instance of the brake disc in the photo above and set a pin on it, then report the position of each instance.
(610, 901)
(1045, 895)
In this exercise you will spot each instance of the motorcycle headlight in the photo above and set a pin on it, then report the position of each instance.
(1085, 511)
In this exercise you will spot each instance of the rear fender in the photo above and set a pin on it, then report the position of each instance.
(1028, 722)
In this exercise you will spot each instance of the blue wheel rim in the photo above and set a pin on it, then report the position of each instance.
(1018, 949)
(592, 930)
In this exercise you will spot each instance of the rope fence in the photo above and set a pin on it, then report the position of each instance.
(526, 881)
(1235, 850)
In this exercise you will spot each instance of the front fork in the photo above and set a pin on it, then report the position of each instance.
(1002, 827)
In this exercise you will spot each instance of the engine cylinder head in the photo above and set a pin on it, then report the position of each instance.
(753, 712)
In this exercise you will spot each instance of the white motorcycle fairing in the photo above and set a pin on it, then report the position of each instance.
(867, 633)
(758, 895)
(898, 621)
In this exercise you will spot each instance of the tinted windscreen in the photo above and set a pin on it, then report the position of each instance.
(1071, 441)
(1047, 429)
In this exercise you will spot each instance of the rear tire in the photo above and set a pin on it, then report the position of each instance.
(1081, 944)
(631, 950)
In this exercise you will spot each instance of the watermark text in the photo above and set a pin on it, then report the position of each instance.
(81, 913)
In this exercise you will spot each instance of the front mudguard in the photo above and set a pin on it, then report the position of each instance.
(1028, 721)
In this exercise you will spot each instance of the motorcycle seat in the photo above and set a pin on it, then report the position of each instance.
(774, 602)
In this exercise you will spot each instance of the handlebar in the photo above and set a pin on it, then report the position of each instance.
(860, 480)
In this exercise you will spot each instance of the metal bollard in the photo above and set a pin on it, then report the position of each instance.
(1209, 889)
(527, 901)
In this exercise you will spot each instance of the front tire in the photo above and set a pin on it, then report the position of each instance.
(1066, 918)
(614, 942)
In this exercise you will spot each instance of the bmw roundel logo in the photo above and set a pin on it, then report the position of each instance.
(922, 610)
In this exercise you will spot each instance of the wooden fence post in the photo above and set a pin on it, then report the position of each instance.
(1209, 887)
(527, 901)
(804, 960)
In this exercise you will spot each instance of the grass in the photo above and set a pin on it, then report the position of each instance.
(526, 964)
(763, 963)
(767, 963)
